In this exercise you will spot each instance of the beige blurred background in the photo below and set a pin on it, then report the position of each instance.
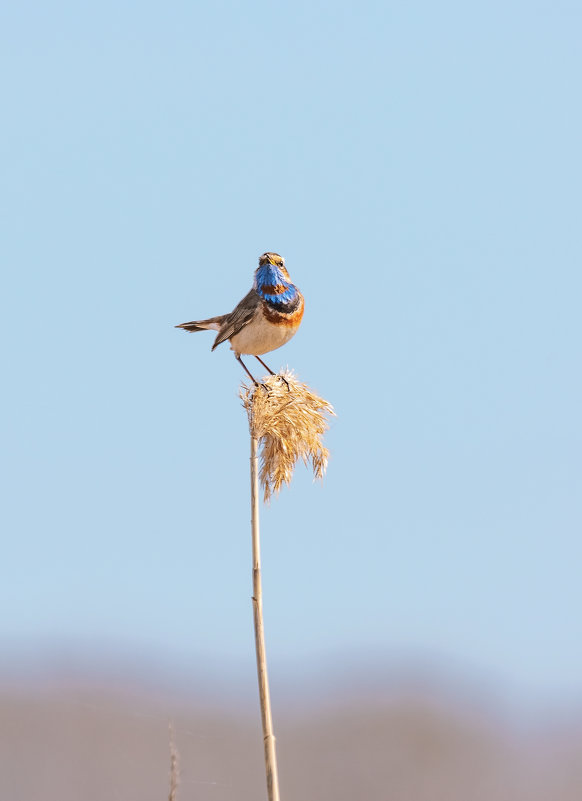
(107, 739)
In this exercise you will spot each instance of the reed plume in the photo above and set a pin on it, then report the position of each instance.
(289, 420)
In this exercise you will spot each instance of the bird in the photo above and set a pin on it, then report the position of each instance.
(264, 320)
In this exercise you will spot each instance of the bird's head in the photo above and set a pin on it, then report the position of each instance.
(274, 264)
(271, 258)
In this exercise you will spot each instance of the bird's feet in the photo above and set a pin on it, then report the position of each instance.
(262, 386)
(285, 382)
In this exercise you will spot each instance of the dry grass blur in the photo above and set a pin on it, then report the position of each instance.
(174, 768)
(289, 420)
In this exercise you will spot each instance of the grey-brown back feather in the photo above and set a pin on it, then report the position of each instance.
(239, 317)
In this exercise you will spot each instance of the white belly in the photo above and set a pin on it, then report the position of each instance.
(261, 336)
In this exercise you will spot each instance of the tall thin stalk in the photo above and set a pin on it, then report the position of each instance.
(264, 695)
(288, 422)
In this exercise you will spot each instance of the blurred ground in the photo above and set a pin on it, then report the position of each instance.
(82, 744)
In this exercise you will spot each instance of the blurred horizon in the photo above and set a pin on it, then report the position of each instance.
(321, 683)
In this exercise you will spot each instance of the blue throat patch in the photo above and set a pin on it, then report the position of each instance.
(269, 276)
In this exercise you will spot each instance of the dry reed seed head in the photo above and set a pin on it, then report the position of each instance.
(289, 422)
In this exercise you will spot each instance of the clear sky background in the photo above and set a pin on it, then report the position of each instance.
(419, 166)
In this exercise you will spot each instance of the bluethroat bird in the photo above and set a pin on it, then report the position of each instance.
(264, 320)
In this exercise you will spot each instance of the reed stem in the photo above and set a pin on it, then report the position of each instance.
(264, 695)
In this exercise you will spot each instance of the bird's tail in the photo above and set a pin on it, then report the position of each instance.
(213, 323)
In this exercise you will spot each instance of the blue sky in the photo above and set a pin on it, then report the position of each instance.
(420, 170)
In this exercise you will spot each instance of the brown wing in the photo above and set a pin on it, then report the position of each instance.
(238, 318)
